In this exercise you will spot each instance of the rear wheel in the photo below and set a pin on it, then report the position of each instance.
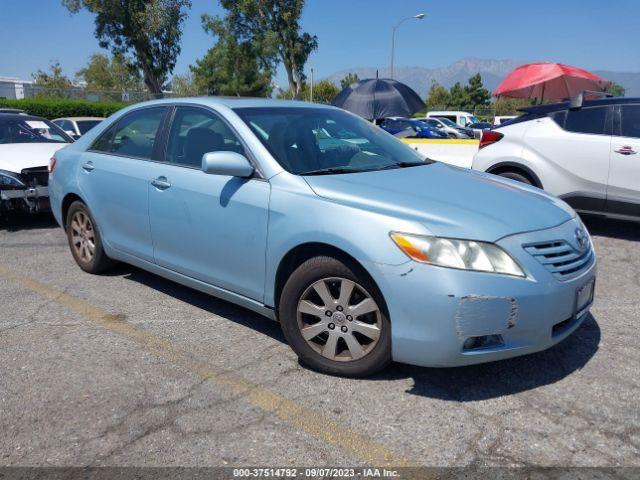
(516, 176)
(84, 240)
(334, 319)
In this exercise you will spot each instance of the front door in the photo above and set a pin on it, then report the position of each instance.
(209, 227)
(623, 191)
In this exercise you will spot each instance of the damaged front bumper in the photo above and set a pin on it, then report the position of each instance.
(443, 317)
(30, 199)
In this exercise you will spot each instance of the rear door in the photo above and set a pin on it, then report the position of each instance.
(623, 191)
(577, 145)
(115, 176)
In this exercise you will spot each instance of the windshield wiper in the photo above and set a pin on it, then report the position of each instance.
(331, 171)
(404, 165)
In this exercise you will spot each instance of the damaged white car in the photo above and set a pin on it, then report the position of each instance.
(27, 143)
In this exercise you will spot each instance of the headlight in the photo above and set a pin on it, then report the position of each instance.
(10, 180)
(461, 254)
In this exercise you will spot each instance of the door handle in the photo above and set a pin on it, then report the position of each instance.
(87, 167)
(161, 183)
(626, 150)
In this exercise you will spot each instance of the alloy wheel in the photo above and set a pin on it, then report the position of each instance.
(83, 236)
(339, 319)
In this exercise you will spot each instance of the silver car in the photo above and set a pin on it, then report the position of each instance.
(447, 126)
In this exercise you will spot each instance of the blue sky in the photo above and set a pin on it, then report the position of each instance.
(356, 33)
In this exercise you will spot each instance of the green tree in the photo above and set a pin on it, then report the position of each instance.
(53, 81)
(458, 97)
(148, 30)
(231, 67)
(616, 90)
(349, 79)
(438, 97)
(510, 106)
(323, 92)
(184, 86)
(272, 27)
(477, 95)
(110, 73)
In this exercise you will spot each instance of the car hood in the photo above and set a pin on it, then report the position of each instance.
(16, 156)
(448, 200)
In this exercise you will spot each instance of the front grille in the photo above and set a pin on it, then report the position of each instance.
(36, 177)
(562, 259)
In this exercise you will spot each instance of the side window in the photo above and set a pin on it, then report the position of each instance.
(586, 120)
(630, 120)
(103, 142)
(559, 117)
(194, 132)
(134, 135)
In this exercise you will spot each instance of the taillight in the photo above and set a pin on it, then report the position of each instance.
(489, 137)
(52, 164)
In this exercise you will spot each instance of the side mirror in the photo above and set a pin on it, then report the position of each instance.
(226, 163)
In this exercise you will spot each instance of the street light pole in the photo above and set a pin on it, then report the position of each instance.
(419, 16)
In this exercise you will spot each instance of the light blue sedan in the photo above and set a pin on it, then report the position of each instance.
(364, 251)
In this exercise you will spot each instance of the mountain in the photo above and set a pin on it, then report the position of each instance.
(492, 71)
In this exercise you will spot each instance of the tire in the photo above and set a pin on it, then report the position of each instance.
(84, 240)
(363, 319)
(517, 177)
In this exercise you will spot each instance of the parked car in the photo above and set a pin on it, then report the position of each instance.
(481, 126)
(409, 128)
(478, 128)
(12, 110)
(365, 252)
(75, 127)
(453, 130)
(499, 120)
(27, 143)
(462, 119)
(587, 154)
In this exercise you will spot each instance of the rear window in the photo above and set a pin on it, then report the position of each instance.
(31, 130)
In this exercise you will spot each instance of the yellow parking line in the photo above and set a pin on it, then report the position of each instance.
(441, 141)
(307, 420)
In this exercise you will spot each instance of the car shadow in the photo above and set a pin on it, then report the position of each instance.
(608, 227)
(504, 377)
(462, 384)
(213, 305)
(16, 223)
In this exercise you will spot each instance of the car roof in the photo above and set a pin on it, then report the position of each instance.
(19, 116)
(237, 102)
(596, 102)
(448, 112)
(78, 119)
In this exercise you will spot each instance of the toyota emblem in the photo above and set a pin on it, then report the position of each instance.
(581, 238)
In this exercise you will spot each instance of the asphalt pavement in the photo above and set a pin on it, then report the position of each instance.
(130, 369)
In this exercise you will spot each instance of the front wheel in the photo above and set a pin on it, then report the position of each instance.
(335, 319)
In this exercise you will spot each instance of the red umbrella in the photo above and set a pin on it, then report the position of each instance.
(549, 81)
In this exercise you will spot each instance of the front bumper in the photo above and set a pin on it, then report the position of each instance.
(435, 310)
(33, 199)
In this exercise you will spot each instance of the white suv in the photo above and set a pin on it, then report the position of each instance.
(587, 153)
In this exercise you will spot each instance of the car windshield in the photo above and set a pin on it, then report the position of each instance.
(85, 125)
(31, 130)
(448, 122)
(473, 119)
(309, 141)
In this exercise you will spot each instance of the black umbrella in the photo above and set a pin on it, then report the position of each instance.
(375, 98)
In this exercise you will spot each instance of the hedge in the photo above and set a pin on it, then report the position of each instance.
(55, 108)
